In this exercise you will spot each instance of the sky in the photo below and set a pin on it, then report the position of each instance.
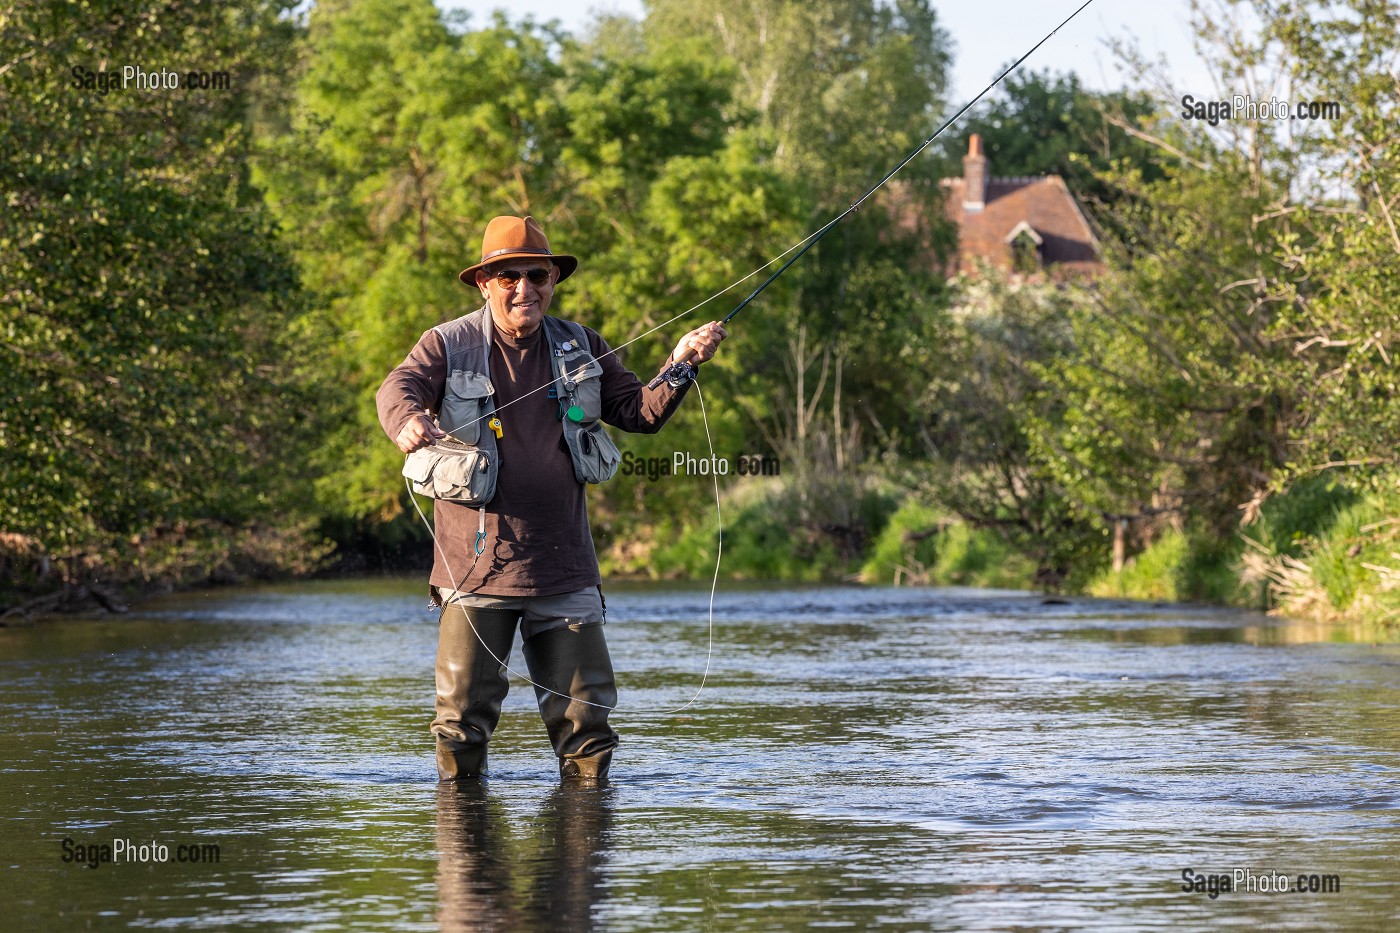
(990, 34)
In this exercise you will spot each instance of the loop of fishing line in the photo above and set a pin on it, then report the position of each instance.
(714, 586)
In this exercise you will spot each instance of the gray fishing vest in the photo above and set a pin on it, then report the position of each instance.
(468, 409)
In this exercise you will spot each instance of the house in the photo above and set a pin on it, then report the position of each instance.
(1022, 226)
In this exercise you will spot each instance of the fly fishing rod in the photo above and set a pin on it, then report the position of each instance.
(681, 371)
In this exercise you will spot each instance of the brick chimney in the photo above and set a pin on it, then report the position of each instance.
(974, 175)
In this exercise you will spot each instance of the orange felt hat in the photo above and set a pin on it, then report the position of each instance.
(510, 237)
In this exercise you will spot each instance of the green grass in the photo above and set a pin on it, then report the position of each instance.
(1154, 574)
(921, 544)
(1355, 564)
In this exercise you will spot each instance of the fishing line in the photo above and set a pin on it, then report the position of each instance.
(802, 246)
(714, 586)
(682, 367)
(615, 350)
(812, 240)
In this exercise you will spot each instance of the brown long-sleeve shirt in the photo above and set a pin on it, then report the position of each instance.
(538, 541)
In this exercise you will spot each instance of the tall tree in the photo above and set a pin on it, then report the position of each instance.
(148, 389)
(845, 89)
(1342, 317)
(406, 137)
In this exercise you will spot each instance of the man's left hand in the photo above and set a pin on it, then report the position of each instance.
(701, 343)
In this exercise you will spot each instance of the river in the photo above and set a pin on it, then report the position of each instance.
(861, 759)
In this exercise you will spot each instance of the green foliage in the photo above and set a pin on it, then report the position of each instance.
(924, 545)
(1339, 290)
(969, 556)
(847, 86)
(1287, 522)
(840, 347)
(766, 538)
(1241, 343)
(148, 378)
(1350, 568)
(1176, 566)
(991, 396)
(399, 138)
(1154, 574)
(1211, 572)
(1356, 562)
(758, 545)
(1039, 123)
(906, 547)
(1168, 399)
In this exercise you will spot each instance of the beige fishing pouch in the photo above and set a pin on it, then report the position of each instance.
(454, 472)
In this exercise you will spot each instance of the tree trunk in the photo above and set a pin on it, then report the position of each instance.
(1120, 544)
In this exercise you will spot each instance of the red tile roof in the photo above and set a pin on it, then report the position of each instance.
(1068, 247)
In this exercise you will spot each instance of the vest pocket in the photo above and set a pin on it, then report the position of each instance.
(583, 382)
(594, 454)
(464, 405)
(453, 473)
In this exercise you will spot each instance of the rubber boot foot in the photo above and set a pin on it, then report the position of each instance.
(591, 769)
(455, 764)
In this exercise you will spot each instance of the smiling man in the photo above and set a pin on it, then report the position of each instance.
(524, 395)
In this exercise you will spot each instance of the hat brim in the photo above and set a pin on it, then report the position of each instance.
(567, 264)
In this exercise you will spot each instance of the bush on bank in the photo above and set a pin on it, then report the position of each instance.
(1321, 551)
(925, 546)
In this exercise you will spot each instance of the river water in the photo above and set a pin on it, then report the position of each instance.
(864, 759)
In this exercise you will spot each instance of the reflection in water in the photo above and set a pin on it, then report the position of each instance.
(495, 873)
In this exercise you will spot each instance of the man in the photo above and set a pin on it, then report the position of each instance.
(516, 550)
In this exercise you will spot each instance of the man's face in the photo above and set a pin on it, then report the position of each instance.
(517, 310)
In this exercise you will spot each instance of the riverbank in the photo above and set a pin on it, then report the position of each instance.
(1321, 552)
(35, 583)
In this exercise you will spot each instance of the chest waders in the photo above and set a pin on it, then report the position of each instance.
(568, 662)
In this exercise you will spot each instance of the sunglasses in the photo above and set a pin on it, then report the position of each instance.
(509, 278)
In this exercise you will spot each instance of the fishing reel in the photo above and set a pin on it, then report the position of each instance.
(677, 375)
